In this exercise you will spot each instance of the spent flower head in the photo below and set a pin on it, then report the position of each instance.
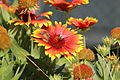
(115, 32)
(5, 42)
(86, 54)
(82, 71)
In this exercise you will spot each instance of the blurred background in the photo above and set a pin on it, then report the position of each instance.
(106, 11)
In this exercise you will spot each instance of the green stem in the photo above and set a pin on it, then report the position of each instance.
(17, 70)
(35, 65)
(117, 51)
(69, 61)
(84, 40)
(32, 44)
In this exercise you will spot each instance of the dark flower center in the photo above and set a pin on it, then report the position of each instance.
(56, 41)
(28, 17)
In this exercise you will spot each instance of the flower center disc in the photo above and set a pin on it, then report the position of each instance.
(56, 41)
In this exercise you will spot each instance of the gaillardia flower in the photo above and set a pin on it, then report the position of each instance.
(115, 32)
(26, 12)
(86, 54)
(66, 5)
(82, 71)
(59, 40)
(31, 18)
(4, 39)
(82, 24)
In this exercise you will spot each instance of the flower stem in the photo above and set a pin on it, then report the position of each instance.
(32, 44)
(35, 65)
(84, 40)
(69, 61)
(117, 51)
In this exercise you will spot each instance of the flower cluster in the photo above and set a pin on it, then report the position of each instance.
(26, 12)
(58, 40)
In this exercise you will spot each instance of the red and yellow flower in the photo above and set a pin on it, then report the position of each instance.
(26, 13)
(66, 5)
(82, 24)
(31, 18)
(59, 40)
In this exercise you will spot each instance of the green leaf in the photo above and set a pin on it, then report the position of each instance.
(4, 62)
(99, 69)
(36, 52)
(19, 53)
(63, 61)
(116, 76)
(103, 67)
(17, 76)
(96, 77)
(5, 14)
(1, 20)
(3, 52)
(56, 77)
(59, 69)
(6, 71)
